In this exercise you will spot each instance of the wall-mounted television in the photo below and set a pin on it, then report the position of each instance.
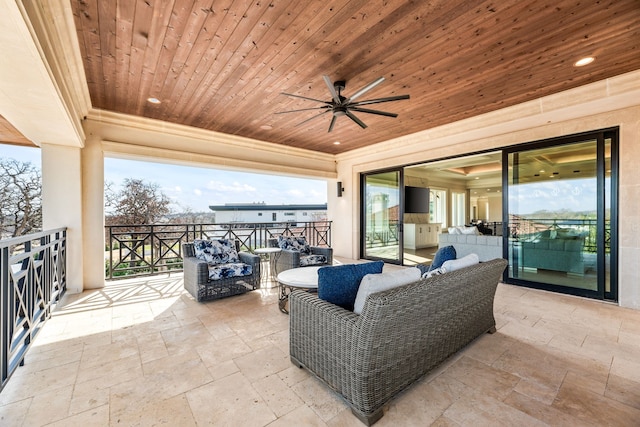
(416, 200)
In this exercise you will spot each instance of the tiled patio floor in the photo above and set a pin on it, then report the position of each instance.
(143, 353)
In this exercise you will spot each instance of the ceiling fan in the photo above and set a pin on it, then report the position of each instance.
(342, 106)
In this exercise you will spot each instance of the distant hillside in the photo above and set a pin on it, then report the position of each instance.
(561, 214)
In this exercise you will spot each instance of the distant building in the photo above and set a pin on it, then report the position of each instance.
(263, 213)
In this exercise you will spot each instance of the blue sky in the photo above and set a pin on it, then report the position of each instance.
(197, 188)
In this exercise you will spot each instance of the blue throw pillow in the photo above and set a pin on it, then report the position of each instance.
(445, 253)
(339, 284)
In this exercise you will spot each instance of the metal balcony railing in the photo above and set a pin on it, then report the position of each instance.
(135, 250)
(33, 279)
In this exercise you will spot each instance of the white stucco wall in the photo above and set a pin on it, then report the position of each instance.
(609, 103)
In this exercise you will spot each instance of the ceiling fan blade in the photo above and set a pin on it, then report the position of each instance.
(355, 119)
(366, 89)
(332, 89)
(379, 100)
(302, 109)
(366, 110)
(303, 97)
(333, 122)
(313, 117)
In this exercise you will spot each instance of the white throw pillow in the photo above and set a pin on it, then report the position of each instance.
(372, 283)
(470, 230)
(457, 264)
(454, 230)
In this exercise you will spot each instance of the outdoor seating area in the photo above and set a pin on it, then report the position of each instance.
(144, 351)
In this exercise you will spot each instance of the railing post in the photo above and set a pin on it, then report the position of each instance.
(5, 315)
(110, 252)
(151, 238)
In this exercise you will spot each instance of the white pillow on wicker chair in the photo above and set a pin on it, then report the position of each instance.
(372, 283)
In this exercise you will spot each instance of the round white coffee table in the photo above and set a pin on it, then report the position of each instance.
(296, 278)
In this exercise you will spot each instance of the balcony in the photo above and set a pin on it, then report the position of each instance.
(141, 350)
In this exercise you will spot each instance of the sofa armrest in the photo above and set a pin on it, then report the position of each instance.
(196, 274)
(323, 250)
(251, 259)
(286, 260)
(321, 336)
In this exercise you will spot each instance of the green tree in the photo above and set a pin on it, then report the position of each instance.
(20, 198)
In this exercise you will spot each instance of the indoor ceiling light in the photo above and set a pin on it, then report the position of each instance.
(336, 143)
(153, 100)
(266, 127)
(584, 61)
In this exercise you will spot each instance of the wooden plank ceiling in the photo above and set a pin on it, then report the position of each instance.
(222, 65)
(10, 135)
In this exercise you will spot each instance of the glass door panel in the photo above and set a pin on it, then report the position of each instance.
(555, 219)
(381, 237)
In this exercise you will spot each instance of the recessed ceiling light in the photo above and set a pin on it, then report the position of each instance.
(584, 61)
(336, 143)
(153, 100)
(266, 127)
(477, 177)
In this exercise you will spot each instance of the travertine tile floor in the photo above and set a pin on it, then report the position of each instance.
(144, 353)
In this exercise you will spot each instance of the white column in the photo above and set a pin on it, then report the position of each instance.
(93, 213)
(62, 204)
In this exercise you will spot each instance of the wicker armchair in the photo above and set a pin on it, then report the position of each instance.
(198, 284)
(288, 259)
(401, 334)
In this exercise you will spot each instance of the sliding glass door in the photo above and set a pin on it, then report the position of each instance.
(558, 214)
(382, 216)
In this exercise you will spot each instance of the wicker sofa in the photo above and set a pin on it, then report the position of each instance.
(401, 334)
(202, 288)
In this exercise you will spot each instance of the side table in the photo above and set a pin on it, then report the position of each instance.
(296, 278)
(269, 257)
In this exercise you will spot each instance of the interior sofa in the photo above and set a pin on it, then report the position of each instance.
(557, 250)
(401, 334)
(486, 247)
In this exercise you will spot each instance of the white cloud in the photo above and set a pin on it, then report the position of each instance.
(296, 193)
(197, 192)
(178, 189)
(235, 187)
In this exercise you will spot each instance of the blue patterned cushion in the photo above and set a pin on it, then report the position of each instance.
(443, 254)
(339, 284)
(224, 271)
(298, 244)
(306, 260)
(218, 251)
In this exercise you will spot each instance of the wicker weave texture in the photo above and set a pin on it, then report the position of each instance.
(287, 259)
(401, 334)
(197, 283)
